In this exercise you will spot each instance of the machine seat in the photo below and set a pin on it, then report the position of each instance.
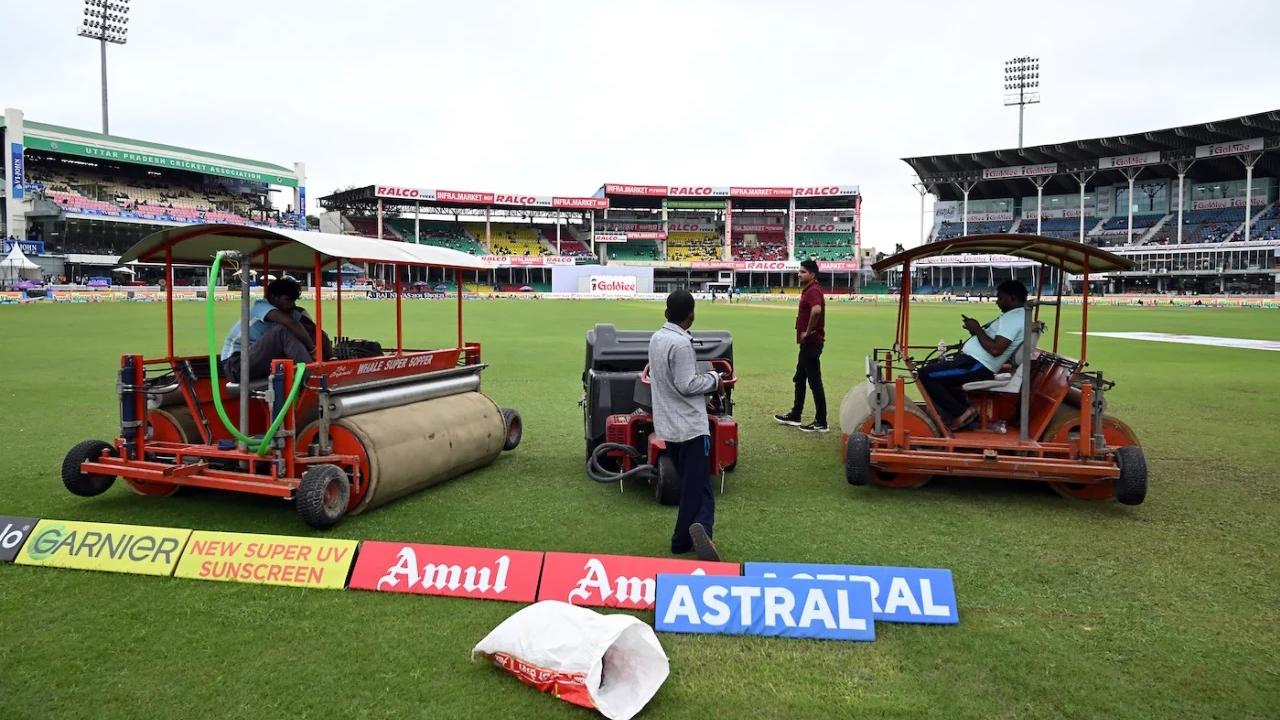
(1003, 382)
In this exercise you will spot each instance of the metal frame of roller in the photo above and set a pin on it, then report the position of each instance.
(1063, 437)
(361, 431)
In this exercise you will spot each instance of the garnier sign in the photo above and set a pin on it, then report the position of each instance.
(35, 142)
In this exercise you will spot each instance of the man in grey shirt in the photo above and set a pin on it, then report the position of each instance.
(680, 418)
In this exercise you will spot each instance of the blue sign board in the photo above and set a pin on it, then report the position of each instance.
(29, 247)
(17, 176)
(779, 607)
(900, 594)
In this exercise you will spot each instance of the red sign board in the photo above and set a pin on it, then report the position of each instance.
(648, 190)
(579, 203)
(474, 198)
(617, 581)
(482, 573)
(760, 192)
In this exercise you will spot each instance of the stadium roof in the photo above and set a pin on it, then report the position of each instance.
(84, 143)
(290, 249)
(821, 197)
(396, 196)
(1213, 147)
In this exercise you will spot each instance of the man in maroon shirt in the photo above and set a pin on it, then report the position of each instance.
(810, 323)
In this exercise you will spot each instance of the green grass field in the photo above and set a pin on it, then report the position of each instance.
(1068, 609)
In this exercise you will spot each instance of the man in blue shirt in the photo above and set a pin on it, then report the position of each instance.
(680, 418)
(979, 359)
(278, 329)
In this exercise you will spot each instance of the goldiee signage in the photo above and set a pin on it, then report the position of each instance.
(899, 594)
(617, 581)
(1019, 171)
(1224, 203)
(482, 573)
(13, 532)
(267, 559)
(101, 546)
(36, 142)
(614, 286)
(1229, 148)
(1123, 161)
(758, 605)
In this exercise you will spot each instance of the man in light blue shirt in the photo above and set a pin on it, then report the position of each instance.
(278, 329)
(980, 358)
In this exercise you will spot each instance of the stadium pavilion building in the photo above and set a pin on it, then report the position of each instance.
(76, 199)
(1195, 207)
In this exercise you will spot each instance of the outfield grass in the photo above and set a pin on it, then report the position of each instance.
(1068, 610)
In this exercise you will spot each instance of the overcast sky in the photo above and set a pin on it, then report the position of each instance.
(559, 97)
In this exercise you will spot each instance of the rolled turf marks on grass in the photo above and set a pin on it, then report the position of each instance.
(1244, 343)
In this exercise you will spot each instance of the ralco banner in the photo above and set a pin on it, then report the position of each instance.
(482, 573)
(617, 581)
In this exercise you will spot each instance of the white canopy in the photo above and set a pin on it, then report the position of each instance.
(290, 249)
(15, 267)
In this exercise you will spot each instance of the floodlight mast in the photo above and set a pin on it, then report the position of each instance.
(106, 21)
(1021, 83)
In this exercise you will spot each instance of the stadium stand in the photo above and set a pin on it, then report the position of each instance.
(956, 229)
(1057, 227)
(634, 250)
(125, 191)
(1266, 225)
(760, 246)
(510, 239)
(694, 246)
(1210, 226)
(436, 232)
(569, 245)
(368, 227)
(825, 246)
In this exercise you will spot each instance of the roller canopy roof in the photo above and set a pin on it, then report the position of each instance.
(1055, 252)
(290, 249)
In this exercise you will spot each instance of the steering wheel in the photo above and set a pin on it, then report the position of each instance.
(721, 366)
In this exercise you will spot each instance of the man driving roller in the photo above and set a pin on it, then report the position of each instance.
(983, 353)
(278, 330)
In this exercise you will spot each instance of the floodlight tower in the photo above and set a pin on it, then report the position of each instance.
(1021, 80)
(106, 21)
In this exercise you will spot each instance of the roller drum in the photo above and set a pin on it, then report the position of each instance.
(389, 397)
(411, 447)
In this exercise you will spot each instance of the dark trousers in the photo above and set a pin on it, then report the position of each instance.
(277, 344)
(809, 369)
(697, 501)
(943, 379)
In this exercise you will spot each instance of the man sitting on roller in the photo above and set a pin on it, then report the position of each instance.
(278, 330)
(980, 358)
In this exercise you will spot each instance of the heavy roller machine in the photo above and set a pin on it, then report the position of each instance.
(347, 433)
(1044, 418)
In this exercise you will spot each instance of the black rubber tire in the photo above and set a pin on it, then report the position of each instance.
(515, 428)
(666, 485)
(857, 459)
(323, 496)
(81, 483)
(1131, 487)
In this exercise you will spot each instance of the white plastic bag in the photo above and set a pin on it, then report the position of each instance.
(612, 663)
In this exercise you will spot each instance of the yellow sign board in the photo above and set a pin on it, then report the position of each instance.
(267, 559)
(78, 545)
